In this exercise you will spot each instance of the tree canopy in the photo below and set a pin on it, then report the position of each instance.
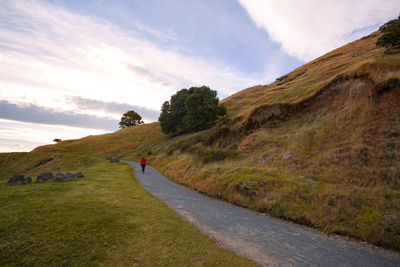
(190, 110)
(130, 118)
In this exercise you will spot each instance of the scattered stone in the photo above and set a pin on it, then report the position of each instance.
(46, 177)
(259, 160)
(20, 179)
(77, 175)
(246, 157)
(288, 155)
(63, 176)
(114, 159)
(391, 216)
(66, 176)
(265, 155)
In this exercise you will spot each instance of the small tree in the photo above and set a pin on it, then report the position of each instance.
(57, 140)
(130, 118)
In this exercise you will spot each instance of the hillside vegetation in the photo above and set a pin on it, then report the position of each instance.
(319, 146)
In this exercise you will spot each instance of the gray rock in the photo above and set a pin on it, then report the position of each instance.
(63, 176)
(265, 155)
(115, 159)
(259, 160)
(391, 216)
(77, 175)
(288, 155)
(246, 157)
(20, 179)
(46, 177)
(66, 176)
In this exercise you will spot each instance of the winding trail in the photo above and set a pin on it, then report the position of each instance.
(265, 240)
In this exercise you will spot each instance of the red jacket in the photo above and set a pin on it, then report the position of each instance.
(142, 161)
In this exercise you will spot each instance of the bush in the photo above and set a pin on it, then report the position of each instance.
(391, 36)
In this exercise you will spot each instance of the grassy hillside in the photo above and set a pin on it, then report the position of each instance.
(70, 155)
(339, 116)
(123, 141)
(106, 218)
(359, 56)
(319, 146)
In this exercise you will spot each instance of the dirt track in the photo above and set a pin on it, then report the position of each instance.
(265, 240)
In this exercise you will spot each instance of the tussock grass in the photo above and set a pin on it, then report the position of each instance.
(103, 219)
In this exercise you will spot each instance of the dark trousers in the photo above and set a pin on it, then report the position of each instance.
(143, 166)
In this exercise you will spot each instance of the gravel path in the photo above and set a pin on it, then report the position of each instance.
(265, 240)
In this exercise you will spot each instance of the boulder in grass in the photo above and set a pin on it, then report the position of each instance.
(46, 177)
(63, 176)
(66, 176)
(20, 179)
(288, 155)
(114, 159)
(77, 175)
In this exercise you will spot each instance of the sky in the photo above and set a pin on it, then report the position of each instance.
(71, 68)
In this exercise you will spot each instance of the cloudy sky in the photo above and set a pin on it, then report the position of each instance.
(70, 68)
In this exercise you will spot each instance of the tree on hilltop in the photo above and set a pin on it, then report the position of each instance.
(190, 110)
(130, 118)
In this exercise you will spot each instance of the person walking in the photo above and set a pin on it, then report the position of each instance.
(143, 163)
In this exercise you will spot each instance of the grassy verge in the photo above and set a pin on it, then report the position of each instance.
(103, 219)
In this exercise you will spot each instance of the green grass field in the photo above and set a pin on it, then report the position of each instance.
(106, 218)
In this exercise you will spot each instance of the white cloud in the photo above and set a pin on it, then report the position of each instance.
(51, 53)
(309, 28)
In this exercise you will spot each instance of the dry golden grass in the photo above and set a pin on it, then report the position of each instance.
(125, 140)
(309, 78)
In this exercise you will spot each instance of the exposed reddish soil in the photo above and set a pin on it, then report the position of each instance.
(344, 94)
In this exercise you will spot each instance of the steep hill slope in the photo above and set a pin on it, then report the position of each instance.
(319, 146)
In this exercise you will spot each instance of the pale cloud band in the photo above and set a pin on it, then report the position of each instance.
(37, 114)
(307, 29)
